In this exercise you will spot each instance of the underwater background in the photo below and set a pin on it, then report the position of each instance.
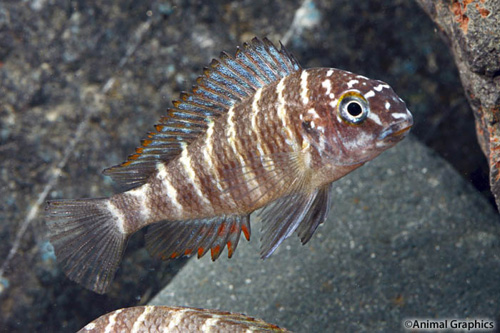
(414, 233)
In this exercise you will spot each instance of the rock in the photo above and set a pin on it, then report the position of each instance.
(407, 237)
(472, 30)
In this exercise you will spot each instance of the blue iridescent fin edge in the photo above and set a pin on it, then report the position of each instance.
(227, 81)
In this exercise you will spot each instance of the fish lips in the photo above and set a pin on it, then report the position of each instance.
(396, 131)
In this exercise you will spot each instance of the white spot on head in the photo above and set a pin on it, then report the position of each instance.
(399, 115)
(329, 73)
(381, 86)
(387, 105)
(370, 94)
(352, 83)
(331, 95)
(373, 116)
(362, 77)
(327, 84)
(303, 87)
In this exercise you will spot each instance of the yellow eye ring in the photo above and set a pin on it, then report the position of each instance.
(353, 108)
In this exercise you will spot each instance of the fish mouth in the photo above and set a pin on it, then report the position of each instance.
(397, 131)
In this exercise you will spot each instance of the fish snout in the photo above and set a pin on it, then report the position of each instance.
(397, 131)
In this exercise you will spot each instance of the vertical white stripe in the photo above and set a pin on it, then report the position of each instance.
(176, 319)
(291, 139)
(255, 108)
(303, 87)
(255, 112)
(112, 321)
(118, 214)
(185, 160)
(208, 155)
(170, 191)
(141, 318)
(231, 126)
(141, 195)
(209, 324)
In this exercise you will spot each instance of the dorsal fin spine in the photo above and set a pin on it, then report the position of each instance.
(236, 86)
(256, 79)
(216, 86)
(257, 62)
(228, 72)
(225, 83)
(264, 59)
(201, 109)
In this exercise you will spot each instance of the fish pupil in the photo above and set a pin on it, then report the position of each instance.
(354, 109)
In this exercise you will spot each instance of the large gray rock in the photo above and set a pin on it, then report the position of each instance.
(406, 237)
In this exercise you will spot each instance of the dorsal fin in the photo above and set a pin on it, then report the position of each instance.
(226, 82)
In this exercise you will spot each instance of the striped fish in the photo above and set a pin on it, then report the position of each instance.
(176, 319)
(256, 131)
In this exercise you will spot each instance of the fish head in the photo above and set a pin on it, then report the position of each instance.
(354, 118)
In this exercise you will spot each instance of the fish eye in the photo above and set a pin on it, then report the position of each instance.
(353, 108)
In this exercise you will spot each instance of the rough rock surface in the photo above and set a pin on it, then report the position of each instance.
(82, 81)
(472, 30)
(406, 238)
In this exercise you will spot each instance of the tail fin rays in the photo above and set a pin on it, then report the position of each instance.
(87, 241)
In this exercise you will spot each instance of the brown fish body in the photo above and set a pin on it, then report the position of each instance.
(258, 131)
(176, 319)
(224, 171)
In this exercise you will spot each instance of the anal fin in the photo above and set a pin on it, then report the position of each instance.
(172, 239)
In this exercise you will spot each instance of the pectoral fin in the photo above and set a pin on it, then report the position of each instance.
(305, 211)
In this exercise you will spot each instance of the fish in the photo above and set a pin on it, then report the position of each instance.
(165, 319)
(257, 136)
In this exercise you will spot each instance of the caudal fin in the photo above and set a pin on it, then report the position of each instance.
(87, 240)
